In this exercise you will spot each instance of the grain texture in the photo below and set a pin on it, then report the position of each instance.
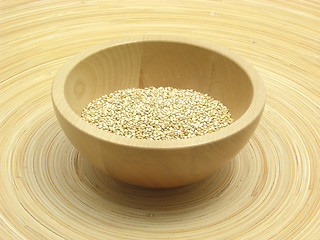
(163, 113)
(269, 191)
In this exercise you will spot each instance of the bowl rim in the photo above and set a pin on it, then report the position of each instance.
(252, 113)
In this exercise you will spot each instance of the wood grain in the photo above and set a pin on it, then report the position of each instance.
(269, 191)
(158, 60)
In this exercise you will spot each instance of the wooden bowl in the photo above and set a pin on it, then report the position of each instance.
(143, 61)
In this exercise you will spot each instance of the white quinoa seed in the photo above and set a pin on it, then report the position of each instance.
(163, 113)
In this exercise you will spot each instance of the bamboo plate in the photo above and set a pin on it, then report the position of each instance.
(271, 190)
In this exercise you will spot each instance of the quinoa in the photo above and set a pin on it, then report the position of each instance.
(163, 113)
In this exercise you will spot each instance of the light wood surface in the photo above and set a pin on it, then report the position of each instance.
(271, 190)
(158, 60)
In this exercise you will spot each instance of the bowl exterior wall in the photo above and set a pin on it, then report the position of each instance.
(157, 167)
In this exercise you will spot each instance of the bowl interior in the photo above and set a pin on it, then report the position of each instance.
(159, 63)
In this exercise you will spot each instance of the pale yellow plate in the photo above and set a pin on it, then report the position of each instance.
(271, 190)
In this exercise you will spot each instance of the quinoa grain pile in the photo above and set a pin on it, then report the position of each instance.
(163, 113)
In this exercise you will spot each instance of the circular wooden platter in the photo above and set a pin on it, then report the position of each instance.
(271, 190)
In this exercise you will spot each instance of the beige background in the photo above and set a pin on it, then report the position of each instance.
(271, 190)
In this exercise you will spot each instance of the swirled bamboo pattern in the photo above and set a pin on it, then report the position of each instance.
(271, 190)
